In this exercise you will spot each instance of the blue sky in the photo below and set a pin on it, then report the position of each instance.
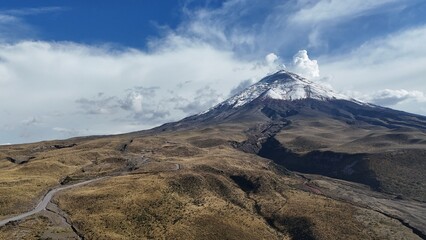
(96, 22)
(70, 68)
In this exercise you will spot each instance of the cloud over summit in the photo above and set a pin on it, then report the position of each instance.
(304, 66)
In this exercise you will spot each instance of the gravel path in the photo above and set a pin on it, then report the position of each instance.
(43, 203)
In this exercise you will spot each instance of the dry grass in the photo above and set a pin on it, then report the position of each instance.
(218, 192)
(22, 185)
(157, 212)
(32, 228)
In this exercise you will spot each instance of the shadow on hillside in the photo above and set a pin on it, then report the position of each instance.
(351, 167)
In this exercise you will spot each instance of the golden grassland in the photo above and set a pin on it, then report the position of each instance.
(216, 192)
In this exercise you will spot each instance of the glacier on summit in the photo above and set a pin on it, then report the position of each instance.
(284, 85)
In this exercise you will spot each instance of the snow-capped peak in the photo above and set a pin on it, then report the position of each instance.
(284, 85)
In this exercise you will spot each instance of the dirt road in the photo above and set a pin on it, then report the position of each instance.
(43, 203)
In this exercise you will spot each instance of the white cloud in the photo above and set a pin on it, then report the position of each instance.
(79, 86)
(31, 121)
(67, 132)
(253, 28)
(12, 26)
(31, 11)
(333, 10)
(271, 58)
(389, 97)
(133, 101)
(98, 105)
(396, 98)
(204, 99)
(304, 66)
(241, 86)
(273, 62)
(396, 61)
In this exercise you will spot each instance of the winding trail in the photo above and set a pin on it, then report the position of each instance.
(43, 203)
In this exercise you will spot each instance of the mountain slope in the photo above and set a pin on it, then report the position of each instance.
(326, 133)
(285, 94)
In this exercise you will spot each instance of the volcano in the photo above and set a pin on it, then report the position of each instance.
(285, 94)
(307, 127)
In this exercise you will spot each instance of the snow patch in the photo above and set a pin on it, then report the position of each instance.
(274, 95)
(283, 85)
